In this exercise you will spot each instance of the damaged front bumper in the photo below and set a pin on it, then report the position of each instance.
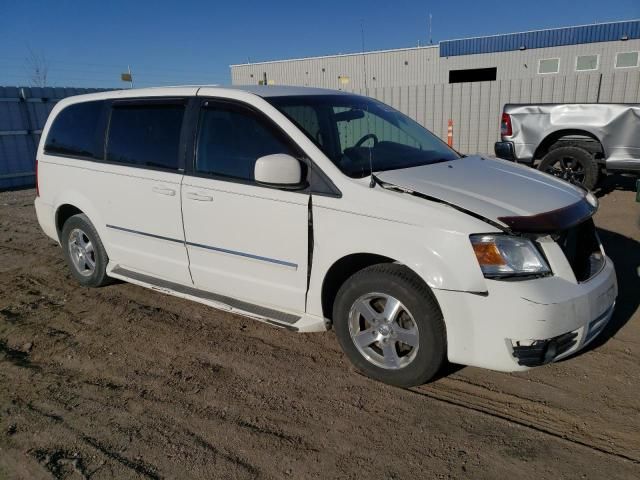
(533, 353)
(521, 324)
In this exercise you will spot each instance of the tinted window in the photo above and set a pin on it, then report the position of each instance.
(473, 75)
(75, 131)
(232, 138)
(145, 134)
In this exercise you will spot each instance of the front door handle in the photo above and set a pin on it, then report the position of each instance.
(198, 197)
(164, 191)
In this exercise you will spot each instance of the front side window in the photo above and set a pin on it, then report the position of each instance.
(586, 62)
(145, 134)
(627, 59)
(76, 131)
(360, 135)
(549, 65)
(232, 138)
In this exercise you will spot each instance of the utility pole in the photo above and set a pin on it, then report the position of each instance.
(364, 57)
(430, 30)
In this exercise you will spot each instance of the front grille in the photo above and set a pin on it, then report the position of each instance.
(581, 246)
(540, 352)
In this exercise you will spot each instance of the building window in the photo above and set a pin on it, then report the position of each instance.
(627, 59)
(587, 62)
(473, 75)
(548, 65)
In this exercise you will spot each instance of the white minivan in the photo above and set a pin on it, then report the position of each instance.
(313, 209)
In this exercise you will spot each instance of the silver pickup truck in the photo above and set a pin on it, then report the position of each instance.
(576, 142)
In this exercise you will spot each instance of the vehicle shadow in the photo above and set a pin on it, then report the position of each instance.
(612, 182)
(625, 253)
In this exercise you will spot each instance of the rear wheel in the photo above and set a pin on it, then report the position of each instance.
(84, 252)
(573, 164)
(390, 326)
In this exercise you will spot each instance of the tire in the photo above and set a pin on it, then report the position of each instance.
(573, 164)
(84, 252)
(381, 286)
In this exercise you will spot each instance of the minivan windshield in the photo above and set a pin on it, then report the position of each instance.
(361, 135)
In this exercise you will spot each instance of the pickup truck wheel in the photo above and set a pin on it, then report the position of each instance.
(390, 326)
(84, 252)
(573, 164)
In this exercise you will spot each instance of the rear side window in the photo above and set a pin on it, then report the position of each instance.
(77, 131)
(146, 135)
(232, 138)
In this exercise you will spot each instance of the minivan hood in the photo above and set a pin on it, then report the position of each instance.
(496, 190)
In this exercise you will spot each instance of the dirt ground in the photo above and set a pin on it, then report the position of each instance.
(123, 382)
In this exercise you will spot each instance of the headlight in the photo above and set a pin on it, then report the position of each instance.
(503, 256)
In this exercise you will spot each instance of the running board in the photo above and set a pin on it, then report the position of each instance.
(263, 314)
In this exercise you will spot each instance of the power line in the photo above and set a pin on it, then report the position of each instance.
(102, 65)
(111, 71)
(100, 78)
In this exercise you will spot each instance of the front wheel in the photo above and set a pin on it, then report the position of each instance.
(390, 326)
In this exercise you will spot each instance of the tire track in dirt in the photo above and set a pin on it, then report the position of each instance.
(520, 411)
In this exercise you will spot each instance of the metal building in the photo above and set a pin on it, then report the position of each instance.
(469, 80)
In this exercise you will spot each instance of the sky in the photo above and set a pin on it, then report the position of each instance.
(89, 43)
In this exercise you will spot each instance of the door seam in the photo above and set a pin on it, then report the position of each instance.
(184, 232)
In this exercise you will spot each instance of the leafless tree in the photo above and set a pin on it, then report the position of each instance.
(37, 68)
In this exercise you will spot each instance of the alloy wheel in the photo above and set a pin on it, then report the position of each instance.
(384, 331)
(82, 253)
(568, 168)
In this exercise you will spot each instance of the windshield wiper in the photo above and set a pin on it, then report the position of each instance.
(374, 180)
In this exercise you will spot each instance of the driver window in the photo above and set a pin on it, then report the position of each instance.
(352, 131)
(307, 119)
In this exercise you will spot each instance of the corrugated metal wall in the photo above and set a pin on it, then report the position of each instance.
(475, 107)
(420, 66)
(584, 34)
(23, 113)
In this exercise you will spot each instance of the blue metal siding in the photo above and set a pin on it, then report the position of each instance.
(606, 32)
(23, 113)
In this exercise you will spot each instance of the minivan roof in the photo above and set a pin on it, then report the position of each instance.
(284, 90)
(193, 90)
(260, 90)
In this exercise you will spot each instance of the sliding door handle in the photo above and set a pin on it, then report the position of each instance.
(198, 197)
(164, 191)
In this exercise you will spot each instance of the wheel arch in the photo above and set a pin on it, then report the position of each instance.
(63, 213)
(582, 136)
(73, 203)
(345, 267)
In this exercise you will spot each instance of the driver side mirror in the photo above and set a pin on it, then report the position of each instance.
(278, 170)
